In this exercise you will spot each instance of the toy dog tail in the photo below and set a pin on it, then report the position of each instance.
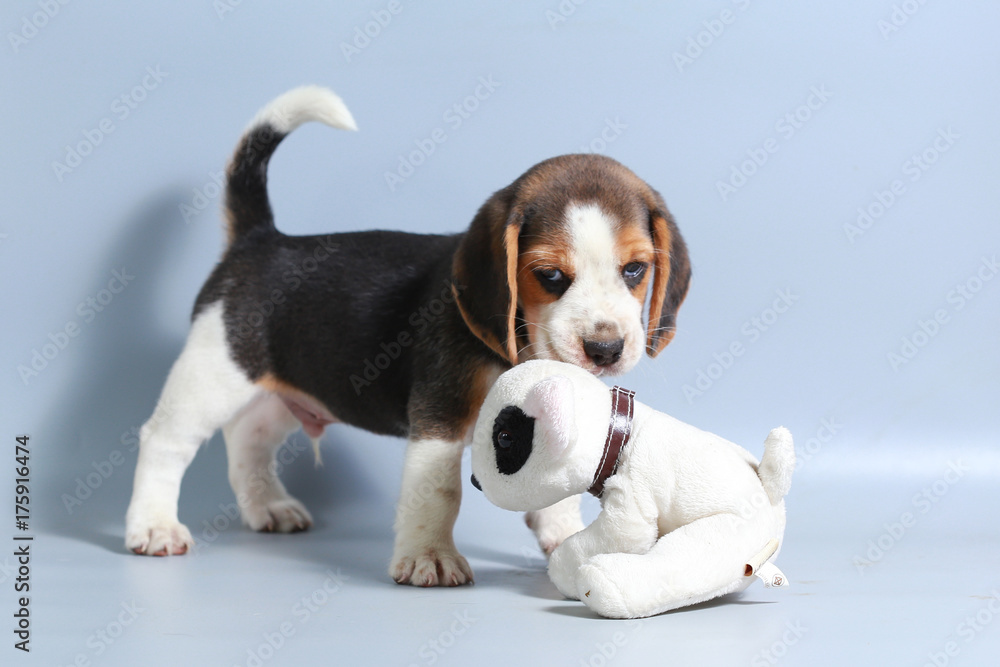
(247, 205)
(777, 464)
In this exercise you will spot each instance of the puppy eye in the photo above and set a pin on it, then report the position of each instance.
(505, 439)
(552, 280)
(552, 275)
(633, 272)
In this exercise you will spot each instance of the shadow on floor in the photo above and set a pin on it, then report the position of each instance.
(120, 362)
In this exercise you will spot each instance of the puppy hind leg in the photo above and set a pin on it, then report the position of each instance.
(204, 389)
(554, 524)
(253, 439)
(694, 563)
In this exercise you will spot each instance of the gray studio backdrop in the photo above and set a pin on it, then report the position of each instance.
(832, 167)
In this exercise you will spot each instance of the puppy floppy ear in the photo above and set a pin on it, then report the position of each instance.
(485, 274)
(552, 403)
(672, 274)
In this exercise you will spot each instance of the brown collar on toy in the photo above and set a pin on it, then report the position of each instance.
(619, 432)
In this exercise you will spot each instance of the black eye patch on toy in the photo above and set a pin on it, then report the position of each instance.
(513, 432)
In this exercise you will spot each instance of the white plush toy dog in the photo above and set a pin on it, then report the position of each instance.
(686, 515)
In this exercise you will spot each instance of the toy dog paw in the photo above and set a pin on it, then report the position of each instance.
(564, 564)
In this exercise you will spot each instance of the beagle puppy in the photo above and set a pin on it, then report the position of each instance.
(400, 334)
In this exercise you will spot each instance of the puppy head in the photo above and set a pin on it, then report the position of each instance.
(558, 264)
(540, 435)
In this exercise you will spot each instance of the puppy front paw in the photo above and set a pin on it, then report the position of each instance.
(553, 525)
(430, 566)
(157, 536)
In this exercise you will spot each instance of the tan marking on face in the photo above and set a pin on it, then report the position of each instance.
(633, 244)
(598, 305)
(532, 296)
(660, 282)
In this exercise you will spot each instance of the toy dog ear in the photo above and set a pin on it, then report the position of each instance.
(485, 274)
(551, 402)
(671, 278)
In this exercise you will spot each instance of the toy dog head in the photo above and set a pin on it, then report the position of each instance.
(540, 435)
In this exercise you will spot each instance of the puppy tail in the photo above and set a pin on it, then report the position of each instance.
(247, 205)
(777, 464)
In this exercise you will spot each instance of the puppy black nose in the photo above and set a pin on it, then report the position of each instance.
(475, 483)
(604, 353)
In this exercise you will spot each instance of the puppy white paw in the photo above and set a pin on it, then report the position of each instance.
(163, 536)
(279, 515)
(553, 528)
(430, 567)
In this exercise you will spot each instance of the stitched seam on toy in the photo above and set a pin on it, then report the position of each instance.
(630, 403)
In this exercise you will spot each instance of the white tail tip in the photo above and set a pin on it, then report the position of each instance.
(304, 104)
